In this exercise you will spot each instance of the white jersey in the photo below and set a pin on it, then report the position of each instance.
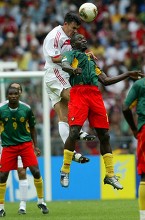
(55, 43)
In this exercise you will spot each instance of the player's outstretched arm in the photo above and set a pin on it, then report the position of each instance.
(106, 80)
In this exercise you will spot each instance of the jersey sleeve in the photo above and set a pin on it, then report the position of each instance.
(52, 48)
(98, 70)
(31, 118)
(131, 99)
(68, 57)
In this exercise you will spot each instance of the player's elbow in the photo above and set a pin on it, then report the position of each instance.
(105, 82)
(125, 108)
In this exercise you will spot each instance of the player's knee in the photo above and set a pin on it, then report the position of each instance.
(3, 177)
(143, 177)
(35, 172)
(21, 173)
(74, 133)
(104, 137)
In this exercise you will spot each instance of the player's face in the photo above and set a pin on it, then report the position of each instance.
(70, 28)
(80, 42)
(13, 96)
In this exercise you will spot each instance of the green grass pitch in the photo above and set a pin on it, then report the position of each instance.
(78, 210)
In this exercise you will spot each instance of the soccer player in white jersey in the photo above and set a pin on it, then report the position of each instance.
(23, 182)
(57, 83)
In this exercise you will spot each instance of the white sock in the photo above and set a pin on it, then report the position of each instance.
(63, 128)
(2, 206)
(23, 187)
(142, 214)
(40, 201)
(22, 205)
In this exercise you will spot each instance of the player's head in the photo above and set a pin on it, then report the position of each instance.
(16, 85)
(13, 95)
(71, 23)
(79, 42)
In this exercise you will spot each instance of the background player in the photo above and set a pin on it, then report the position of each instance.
(23, 182)
(21, 170)
(136, 98)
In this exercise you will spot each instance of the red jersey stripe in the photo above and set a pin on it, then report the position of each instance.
(67, 42)
(59, 77)
(56, 40)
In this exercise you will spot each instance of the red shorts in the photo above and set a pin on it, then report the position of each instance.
(141, 151)
(9, 156)
(86, 102)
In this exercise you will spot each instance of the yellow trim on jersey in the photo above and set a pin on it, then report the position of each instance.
(133, 104)
(75, 63)
(27, 126)
(1, 127)
(98, 71)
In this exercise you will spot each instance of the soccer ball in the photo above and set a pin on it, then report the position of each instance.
(88, 12)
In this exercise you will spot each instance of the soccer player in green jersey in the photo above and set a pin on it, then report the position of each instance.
(18, 137)
(86, 102)
(23, 182)
(136, 98)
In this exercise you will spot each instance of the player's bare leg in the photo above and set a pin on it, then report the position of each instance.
(61, 109)
(107, 155)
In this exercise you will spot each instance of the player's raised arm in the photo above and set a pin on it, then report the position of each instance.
(106, 80)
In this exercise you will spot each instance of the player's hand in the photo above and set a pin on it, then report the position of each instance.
(77, 71)
(37, 151)
(91, 54)
(137, 74)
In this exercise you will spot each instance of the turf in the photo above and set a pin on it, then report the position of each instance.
(78, 210)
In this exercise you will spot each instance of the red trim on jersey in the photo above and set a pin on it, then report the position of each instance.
(67, 42)
(59, 77)
(56, 56)
(56, 40)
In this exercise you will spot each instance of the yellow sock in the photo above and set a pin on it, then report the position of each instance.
(39, 187)
(67, 159)
(108, 161)
(141, 195)
(2, 192)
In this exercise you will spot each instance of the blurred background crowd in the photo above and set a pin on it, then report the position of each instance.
(116, 37)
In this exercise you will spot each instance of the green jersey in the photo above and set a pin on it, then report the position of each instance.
(90, 71)
(15, 124)
(136, 97)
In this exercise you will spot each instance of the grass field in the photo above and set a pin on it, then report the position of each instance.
(78, 210)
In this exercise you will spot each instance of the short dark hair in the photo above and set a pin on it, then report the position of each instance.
(72, 17)
(10, 85)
